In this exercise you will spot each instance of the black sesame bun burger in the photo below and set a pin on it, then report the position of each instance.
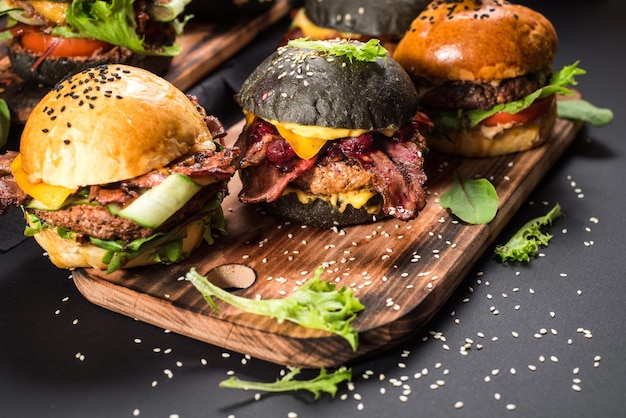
(385, 20)
(118, 168)
(483, 70)
(330, 138)
(50, 39)
(226, 11)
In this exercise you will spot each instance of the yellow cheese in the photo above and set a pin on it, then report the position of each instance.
(357, 199)
(51, 10)
(313, 31)
(50, 196)
(308, 140)
(304, 147)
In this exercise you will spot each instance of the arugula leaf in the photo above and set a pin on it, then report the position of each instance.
(5, 122)
(325, 382)
(473, 201)
(578, 109)
(359, 51)
(110, 21)
(525, 243)
(316, 305)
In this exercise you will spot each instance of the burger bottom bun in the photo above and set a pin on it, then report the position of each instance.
(319, 213)
(473, 142)
(52, 70)
(67, 254)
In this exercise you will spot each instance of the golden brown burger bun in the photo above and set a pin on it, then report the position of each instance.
(85, 132)
(479, 142)
(66, 254)
(457, 40)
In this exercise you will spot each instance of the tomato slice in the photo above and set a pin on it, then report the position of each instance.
(533, 111)
(55, 46)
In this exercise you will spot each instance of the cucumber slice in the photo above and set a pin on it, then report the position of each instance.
(153, 207)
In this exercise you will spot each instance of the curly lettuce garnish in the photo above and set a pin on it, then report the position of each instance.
(316, 304)
(324, 382)
(525, 243)
(358, 51)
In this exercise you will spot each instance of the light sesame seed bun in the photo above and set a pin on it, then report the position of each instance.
(107, 124)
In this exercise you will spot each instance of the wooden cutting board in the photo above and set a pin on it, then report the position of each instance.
(205, 46)
(401, 271)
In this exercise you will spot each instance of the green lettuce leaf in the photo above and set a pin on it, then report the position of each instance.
(526, 241)
(324, 382)
(359, 51)
(316, 304)
(109, 21)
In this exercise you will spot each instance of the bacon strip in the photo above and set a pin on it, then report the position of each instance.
(396, 165)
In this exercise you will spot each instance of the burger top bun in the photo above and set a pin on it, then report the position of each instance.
(365, 17)
(107, 124)
(477, 40)
(311, 87)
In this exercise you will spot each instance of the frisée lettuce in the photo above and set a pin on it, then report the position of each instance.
(316, 305)
(324, 382)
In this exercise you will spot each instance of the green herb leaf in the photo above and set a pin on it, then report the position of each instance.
(525, 243)
(316, 304)
(473, 201)
(325, 382)
(359, 51)
(578, 109)
(5, 122)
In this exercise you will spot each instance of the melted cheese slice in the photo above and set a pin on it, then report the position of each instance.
(357, 199)
(308, 140)
(52, 197)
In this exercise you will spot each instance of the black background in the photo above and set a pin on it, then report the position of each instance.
(61, 356)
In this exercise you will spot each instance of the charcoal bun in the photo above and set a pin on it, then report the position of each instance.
(367, 17)
(308, 87)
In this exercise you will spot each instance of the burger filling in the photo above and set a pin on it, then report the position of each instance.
(355, 170)
(127, 218)
(496, 105)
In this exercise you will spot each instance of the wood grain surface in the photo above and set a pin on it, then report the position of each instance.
(401, 271)
(205, 46)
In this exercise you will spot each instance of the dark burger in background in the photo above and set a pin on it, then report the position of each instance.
(385, 20)
(224, 11)
(50, 39)
(483, 71)
(118, 168)
(330, 137)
